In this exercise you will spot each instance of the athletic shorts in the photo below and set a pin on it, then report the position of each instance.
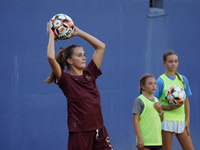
(154, 147)
(173, 126)
(89, 140)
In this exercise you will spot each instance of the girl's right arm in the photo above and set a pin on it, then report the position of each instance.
(158, 106)
(51, 53)
(140, 142)
(170, 107)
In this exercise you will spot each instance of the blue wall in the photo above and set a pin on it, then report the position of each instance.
(33, 115)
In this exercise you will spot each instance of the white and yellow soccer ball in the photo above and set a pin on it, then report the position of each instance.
(62, 26)
(175, 95)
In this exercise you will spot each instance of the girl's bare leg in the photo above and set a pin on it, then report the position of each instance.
(167, 140)
(185, 141)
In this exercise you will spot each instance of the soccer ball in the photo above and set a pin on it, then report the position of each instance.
(62, 26)
(175, 95)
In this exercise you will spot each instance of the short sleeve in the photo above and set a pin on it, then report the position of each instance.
(187, 86)
(92, 69)
(138, 106)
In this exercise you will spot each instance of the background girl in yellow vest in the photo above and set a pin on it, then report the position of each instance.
(174, 121)
(147, 116)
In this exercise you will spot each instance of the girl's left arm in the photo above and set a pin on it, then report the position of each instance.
(187, 115)
(97, 45)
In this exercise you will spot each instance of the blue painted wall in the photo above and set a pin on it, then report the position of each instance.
(33, 115)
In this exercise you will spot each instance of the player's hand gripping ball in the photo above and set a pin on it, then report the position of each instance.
(175, 96)
(62, 26)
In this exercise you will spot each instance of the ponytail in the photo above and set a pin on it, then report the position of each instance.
(141, 90)
(60, 59)
(178, 75)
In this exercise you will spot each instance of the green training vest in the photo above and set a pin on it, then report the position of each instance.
(175, 114)
(150, 123)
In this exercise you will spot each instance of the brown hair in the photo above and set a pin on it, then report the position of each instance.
(143, 81)
(61, 58)
(166, 54)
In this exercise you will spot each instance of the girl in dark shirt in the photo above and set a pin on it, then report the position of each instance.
(85, 121)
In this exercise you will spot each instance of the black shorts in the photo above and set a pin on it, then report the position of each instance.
(154, 147)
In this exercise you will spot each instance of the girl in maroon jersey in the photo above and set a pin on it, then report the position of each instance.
(85, 121)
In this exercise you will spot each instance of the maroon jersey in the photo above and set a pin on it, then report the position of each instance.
(83, 99)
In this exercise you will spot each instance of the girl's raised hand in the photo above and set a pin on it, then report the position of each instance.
(75, 33)
(49, 30)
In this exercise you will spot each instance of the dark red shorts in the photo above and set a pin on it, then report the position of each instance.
(89, 140)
